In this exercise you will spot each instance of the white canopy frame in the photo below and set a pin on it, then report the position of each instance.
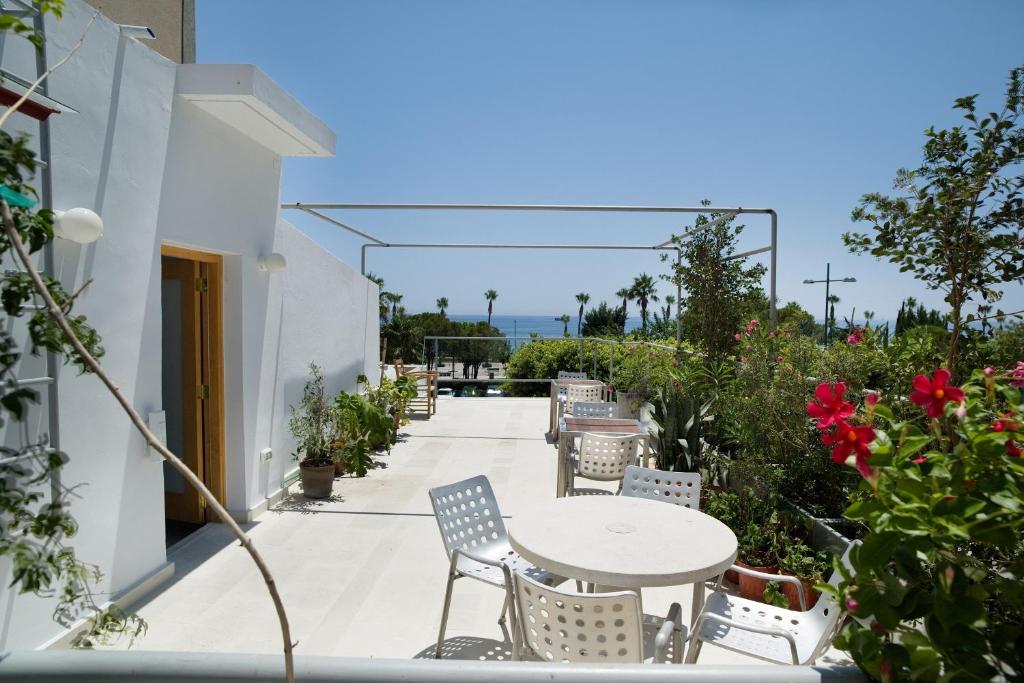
(724, 214)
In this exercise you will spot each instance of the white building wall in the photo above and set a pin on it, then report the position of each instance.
(160, 170)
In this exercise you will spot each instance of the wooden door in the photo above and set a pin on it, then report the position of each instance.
(192, 378)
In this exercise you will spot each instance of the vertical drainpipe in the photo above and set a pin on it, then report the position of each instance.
(362, 260)
(49, 260)
(773, 316)
(679, 298)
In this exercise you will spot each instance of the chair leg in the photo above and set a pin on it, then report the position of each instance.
(444, 613)
(504, 608)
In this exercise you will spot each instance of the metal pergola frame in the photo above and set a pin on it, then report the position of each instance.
(725, 213)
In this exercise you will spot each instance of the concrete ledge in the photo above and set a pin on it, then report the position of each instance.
(102, 667)
(246, 99)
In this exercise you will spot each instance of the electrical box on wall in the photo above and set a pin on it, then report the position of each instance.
(266, 455)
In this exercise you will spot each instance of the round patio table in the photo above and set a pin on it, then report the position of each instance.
(624, 542)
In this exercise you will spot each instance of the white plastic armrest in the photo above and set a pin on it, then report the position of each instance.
(764, 630)
(775, 578)
(673, 624)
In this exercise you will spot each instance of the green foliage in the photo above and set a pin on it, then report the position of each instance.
(604, 321)
(16, 24)
(681, 420)
(958, 223)
(313, 422)
(640, 371)
(716, 285)
(937, 592)
(913, 314)
(1005, 348)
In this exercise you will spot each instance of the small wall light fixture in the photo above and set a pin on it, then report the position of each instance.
(138, 32)
(78, 225)
(272, 263)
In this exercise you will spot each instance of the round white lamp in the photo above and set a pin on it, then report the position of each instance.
(78, 225)
(272, 263)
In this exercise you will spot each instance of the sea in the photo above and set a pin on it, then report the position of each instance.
(542, 325)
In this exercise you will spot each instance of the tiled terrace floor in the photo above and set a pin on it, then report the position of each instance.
(363, 573)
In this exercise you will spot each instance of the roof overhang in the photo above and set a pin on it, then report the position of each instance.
(247, 99)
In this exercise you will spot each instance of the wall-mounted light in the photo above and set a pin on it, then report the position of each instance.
(138, 32)
(78, 225)
(272, 263)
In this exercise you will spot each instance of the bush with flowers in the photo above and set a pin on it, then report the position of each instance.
(937, 591)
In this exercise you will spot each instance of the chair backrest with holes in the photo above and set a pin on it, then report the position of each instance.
(468, 516)
(606, 457)
(579, 627)
(824, 620)
(595, 409)
(567, 374)
(680, 488)
(575, 393)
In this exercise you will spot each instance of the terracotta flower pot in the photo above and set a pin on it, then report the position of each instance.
(790, 591)
(339, 468)
(732, 576)
(317, 480)
(751, 587)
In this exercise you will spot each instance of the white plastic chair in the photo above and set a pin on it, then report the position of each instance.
(602, 457)
(595, 409)
(678, 488)
(568, 374)
(772, 633)
(566, 626)
(477, 544)
(576, 393)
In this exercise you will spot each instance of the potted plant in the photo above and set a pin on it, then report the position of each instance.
(312, 424)
(806, 564)
(758, 550)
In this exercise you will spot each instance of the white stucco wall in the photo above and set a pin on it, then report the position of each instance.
(160, 170)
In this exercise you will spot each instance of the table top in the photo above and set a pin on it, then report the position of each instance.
(623, 542)
(602, 424)
(583, 382)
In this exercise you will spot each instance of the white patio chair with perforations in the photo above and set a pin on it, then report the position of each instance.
(477, 545)
(576, 393)
(679, 488)
(569, 374)
(595, 409)
(602, 457)
(772, 633)
(566, 626)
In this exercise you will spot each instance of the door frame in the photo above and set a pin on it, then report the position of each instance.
(212, 413)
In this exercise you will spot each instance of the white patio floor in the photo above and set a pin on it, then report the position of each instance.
(363, 574)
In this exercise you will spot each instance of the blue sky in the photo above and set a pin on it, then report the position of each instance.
(801, 106)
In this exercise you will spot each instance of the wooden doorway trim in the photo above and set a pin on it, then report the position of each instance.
(210, 269)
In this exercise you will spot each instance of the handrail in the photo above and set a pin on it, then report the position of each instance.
(80, 666)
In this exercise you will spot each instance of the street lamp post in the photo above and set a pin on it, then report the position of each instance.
(828, 283)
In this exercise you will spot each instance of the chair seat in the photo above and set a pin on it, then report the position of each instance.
(494, 575)
(764, 646)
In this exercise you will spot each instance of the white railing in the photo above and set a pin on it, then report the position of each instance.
(79, 666)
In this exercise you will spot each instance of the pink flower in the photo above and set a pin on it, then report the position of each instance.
(829, 408)
(855, 337)
(737, 336)
(1018, 375)
(852, 605)
(961, 411)
(918, 461)
(933, 394)
(778, 359)
(872, 398)
(848, 440)
(989, 371)
(1012, 449)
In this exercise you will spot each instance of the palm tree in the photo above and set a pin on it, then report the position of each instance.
(583, 298)
(564, 319)
(490, 295)
(442, 303)
(383, 296)
(643, 290)
(669, 300)
(626, 294)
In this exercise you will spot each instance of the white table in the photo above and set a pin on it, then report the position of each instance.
(625, 542)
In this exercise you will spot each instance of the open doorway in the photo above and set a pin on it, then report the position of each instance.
(192, 379)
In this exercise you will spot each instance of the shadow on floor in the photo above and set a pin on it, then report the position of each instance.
(470, 648)
(296, 502)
